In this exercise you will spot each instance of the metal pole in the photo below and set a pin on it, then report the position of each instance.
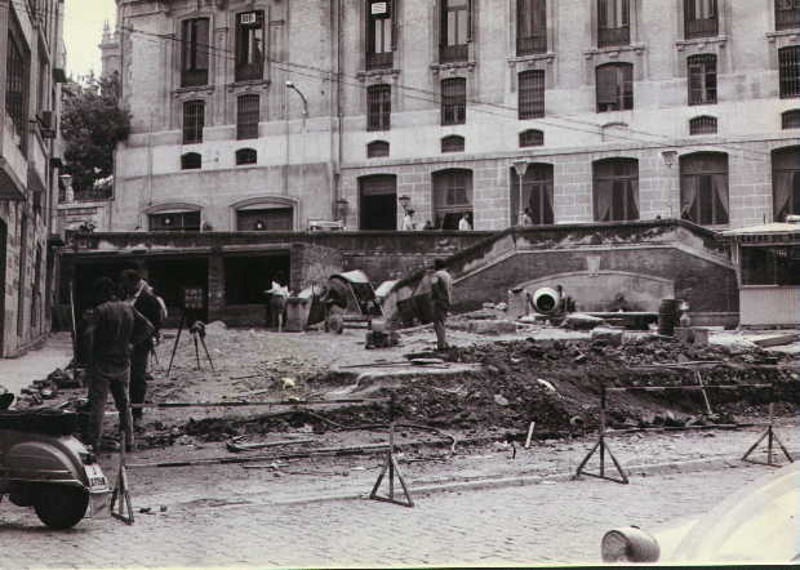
(603, 432)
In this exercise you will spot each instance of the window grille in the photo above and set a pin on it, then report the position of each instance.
(702, 79)
(616, 190)
(531, 94)
(193, 121)
(700, 18)
(531, 27)
(454, 101)
(246, 156)
(790, 119)
(191, 161)
(787, 14)
(453, 143)
(247, 116)
(531, 137)
(704, 125)
(377, 149)
(614, 87)
(250, 45)
(789, 71)
(194, 52)
(379, 107)
(613, 22)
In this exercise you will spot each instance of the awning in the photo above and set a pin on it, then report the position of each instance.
(11, 188)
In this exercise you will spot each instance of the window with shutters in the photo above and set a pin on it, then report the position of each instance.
(174, 222)
(454, 101)
(455, 32)
(250, 45)
(613, 22)
(380, 34)
(246, 156)
(452, 197)
(531, 137)
(531, 27)
(704, 188)
(789, 71)
(616, 189)
(700, 18)
(377, 149)
(790, 119)
(786, 182)
(17, 83)
(191, 161)
(530, 104)
(787, 14)
(194, 116)
(453, 143)
(614, 87)
(537, 193)
(704, 125)
(194, 52)
(247, 116)
(379, 107)
(702, 79)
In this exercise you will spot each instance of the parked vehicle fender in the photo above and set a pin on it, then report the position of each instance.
(43, 462)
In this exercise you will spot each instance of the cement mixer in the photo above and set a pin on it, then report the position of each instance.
(551, 301)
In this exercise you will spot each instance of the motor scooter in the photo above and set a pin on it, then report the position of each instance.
(43, 465)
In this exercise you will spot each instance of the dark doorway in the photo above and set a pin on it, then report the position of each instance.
(3, 235)
(378, 202)
(169, 277)
(247, 277)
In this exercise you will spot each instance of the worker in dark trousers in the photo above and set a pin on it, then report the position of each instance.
(141, 298)
(112, 327)
(441, 294)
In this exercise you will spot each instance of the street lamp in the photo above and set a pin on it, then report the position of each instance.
(404, 202)
(293, 87)
(521, 167)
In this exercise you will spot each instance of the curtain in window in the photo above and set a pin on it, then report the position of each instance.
(719, 185)
(784, 183)
(603, 199)
(689, 197)
(632, 199)
(613, 13)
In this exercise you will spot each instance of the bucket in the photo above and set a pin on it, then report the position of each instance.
(668, 313)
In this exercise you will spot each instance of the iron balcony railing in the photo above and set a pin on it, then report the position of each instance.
(532, 44)
(613, 36)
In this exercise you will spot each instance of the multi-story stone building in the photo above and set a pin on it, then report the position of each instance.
(32, 57)
(267, 114)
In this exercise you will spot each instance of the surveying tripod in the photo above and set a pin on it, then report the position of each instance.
(198, 331)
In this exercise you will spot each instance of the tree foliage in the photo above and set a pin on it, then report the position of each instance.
(92, 123)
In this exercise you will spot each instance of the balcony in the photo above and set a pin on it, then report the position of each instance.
(248, 72)
(701, 28)
(454, 53)
(383, 60)
(613, 36)
(532, 44)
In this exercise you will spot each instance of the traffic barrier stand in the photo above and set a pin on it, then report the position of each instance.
(772, 438)
(121, 497)
(391, 466)
(602, 448)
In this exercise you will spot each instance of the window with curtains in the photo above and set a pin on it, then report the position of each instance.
(789, 71)
(613, 22)
(250, 45)
(702, 79)
(455, 30)
(379, 107)
(194, 113)
(17, 84)
(194, 52)
(616, 189)
(531, 137)
(614, 87)
(530, 93)
(537, 193)
(246, 156)
(786, 183)
(787, 14)
(790, 119)
(452, 197)
(247, 116)
(380, 33)
(453, 143)
(377, 149)
(454, 101)
(704, 188)
(700, 18)
(531, 26)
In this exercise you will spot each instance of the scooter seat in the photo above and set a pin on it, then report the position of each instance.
(45, 421)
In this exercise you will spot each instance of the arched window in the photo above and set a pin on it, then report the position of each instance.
(246, 156)
(704, 188)
(191, 161)
(614, 84)
(703, 125)
(786, 182)
(175, 221)
(537, 194)
(376, 149)
(616, 189)
(531, 137)
(453, 143)
(452, 197)
(791, 119)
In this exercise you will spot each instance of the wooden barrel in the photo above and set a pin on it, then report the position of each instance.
(668, 313)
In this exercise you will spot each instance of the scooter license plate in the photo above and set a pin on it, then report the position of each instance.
(96, 477)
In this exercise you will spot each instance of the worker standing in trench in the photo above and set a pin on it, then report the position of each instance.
(441, 294)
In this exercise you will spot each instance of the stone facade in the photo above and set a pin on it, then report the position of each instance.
(312, 138)
(31, 67)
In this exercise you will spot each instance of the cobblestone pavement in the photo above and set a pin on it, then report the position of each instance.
(545, 523)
